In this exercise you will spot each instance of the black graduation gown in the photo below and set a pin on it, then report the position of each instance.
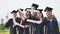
(20, 29)
(18, 20)
(39, 28)
(10, 24)
(32, 25)
(28, 30)
(33, 28)
(54, 29)
(27, 23)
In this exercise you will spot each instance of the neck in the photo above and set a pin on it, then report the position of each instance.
(27, 15)
(20, 16)
(14, 16)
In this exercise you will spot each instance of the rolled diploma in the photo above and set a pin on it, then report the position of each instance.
(33, 21)
(17, 23)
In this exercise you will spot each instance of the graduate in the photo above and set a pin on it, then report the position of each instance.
(51, 23)
(34, 6)
(21, 16)
(28, 13)
(11, 24)
(20, 29)
(33, 17)
(28, 16)
(39, 27)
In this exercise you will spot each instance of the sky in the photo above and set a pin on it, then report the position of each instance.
(6, 6)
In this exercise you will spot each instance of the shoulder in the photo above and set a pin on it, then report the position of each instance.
(10, 19)
(44, 18)
(55, 19)
(18, 18)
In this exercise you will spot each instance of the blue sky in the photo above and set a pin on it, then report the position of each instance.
(6, 6)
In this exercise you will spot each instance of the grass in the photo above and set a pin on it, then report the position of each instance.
(59, 28)
(4, 31)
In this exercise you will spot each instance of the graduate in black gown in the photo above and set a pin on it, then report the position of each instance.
(39, 26)
(28, 16)
(22, 22)
(51, 23)
(33, 17)
(20, 29)
(11, 24)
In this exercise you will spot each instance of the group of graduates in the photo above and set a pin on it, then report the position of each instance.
(33, 21)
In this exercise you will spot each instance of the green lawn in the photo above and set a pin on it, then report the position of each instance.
(4, 32)
(59, 28)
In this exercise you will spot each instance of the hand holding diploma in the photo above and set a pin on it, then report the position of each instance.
(26, 26)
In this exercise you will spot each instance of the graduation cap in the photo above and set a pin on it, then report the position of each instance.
(28, 9)
(35, 5)
(14, 11)
(20, 9)
(40, 10)
(48, 9)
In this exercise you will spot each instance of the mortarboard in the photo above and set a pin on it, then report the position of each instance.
(48, 9)
(20, 9)
(28, 9)
(40, 10)
(14, 11)
(35, 5)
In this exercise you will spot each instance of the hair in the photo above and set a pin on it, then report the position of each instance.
(42, 15)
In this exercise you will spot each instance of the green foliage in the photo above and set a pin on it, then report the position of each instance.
(3, 30)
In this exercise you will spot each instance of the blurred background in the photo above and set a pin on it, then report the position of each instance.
(6, 6)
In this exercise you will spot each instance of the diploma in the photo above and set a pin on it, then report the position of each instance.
(17, 23)
(33, 21)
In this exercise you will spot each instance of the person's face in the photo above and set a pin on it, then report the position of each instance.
(20, 13)
(14, 14)
(33, 8)
(27, 13)
(39, 15)
(48, 13)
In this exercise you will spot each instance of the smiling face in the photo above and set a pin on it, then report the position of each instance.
(39, 15)
(20, 14)
(27, 13)
(48, 13)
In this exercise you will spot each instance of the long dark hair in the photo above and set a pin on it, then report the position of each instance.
(42, 15)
